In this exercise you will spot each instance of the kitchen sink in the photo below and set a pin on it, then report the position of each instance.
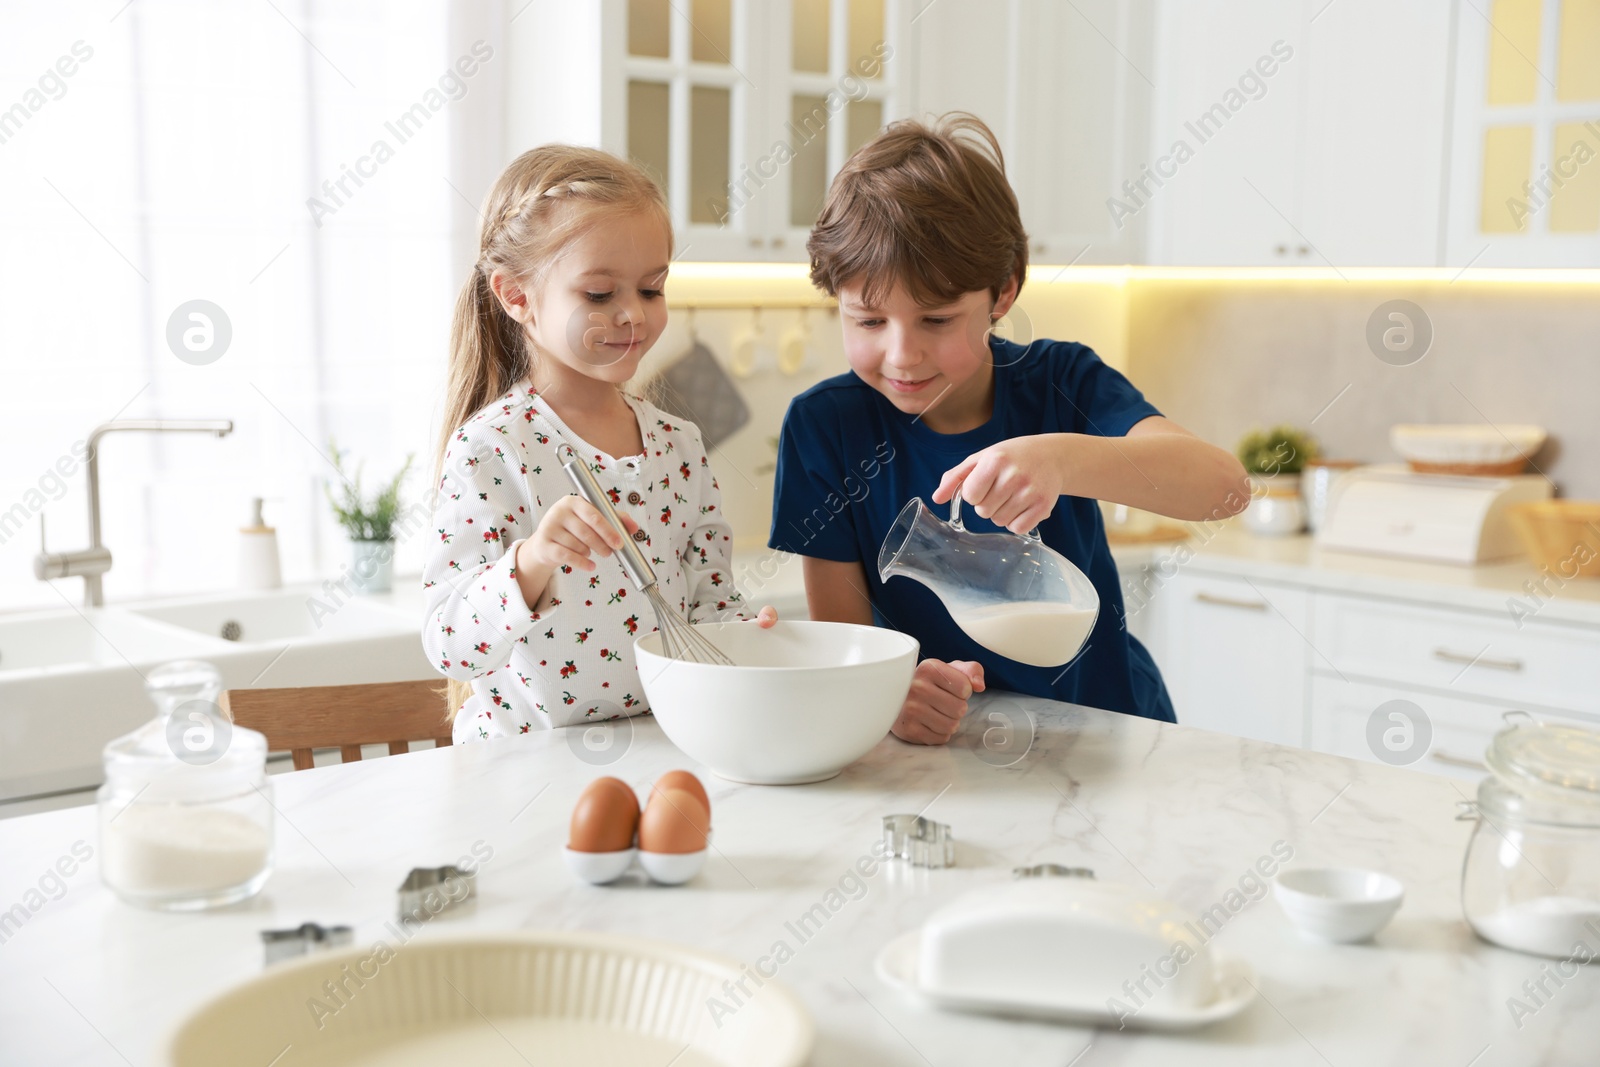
(278, 616)
(91, 637)
(73, 679)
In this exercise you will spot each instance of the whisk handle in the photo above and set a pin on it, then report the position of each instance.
(633, 560)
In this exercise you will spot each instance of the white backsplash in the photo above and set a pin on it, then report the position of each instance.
(1223, 358)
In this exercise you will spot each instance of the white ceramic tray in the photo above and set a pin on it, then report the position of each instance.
(547, 997)
(897, 966)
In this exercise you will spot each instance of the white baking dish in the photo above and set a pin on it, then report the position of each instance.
(547, 997)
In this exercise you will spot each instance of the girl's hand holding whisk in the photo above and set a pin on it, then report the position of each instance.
(572, 529)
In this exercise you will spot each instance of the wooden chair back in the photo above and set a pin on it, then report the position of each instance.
(343, 716)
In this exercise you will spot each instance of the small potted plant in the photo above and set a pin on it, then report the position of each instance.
(1274, 459)
(370, 524)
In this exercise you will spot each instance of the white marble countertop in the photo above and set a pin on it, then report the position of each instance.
(86, 980)
(1230, 549)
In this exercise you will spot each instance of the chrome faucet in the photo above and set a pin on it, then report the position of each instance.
(92, 562)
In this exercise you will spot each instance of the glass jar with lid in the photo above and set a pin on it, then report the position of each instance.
(186, 815)
(1531, 880)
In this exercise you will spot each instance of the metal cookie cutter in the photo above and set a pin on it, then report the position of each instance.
(427, 891)
(1051, 870)
(303, 940)
(922, 842)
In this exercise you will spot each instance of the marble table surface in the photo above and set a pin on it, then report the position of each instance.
(85, 979)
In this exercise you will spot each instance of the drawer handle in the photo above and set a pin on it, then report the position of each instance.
(1495, 664)
(1229, 602)
(1457, 761)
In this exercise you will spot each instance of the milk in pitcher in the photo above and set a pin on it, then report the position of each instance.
(1040, 635)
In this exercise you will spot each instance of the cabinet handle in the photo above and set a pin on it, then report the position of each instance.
(1458, 761)
(755, 242)
(776, 242)
(1281, 250)
(1496, 664)
(1229, 602)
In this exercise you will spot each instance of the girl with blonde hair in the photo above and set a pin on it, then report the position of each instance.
(565, 299)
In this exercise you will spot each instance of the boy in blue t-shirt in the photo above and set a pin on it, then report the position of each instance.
(921, 242)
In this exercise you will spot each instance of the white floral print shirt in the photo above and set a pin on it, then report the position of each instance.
(572, 660)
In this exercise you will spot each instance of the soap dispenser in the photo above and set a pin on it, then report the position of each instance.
(258, 552)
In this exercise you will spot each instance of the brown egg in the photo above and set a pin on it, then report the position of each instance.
(685, 781)
(605, 817)
(674, 822)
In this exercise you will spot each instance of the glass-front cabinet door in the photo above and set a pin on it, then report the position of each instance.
(744, 110)
(839, 89)
(690, 99)
(1526, 191)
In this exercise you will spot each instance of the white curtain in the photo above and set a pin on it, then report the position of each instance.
(161, 151)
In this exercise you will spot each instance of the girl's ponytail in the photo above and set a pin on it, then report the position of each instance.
(488, 355)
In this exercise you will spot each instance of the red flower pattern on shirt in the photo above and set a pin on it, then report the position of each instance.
(495, 483)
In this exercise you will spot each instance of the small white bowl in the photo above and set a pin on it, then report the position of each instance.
(672, 868)
(1339, 904)
(598, 868)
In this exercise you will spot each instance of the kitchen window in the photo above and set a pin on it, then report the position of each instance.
(323, 197)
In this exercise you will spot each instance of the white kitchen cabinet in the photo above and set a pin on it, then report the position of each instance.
(1315, 666)
(1234, 653)
(1491, 656)
(1428, 732)
(1066, 89)
(1244, 132)
(1227, 160)
(835, 73)
(742, 110)
(1299, 133)
(1372, 154)
(745, 110)
(1459, 672)
(1431, 731)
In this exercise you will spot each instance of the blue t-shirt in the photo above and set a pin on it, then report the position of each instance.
(848, 461)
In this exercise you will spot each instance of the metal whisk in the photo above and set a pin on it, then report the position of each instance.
(680, 639)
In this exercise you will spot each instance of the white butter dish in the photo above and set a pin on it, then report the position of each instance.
(1067, 949)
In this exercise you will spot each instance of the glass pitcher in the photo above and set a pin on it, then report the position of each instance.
(1014, 595)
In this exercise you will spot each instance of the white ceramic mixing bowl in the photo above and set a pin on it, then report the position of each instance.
(806, 699)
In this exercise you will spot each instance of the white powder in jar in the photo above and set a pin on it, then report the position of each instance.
(1545, 926)
(172, 849)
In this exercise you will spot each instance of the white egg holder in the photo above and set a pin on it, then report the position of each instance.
(664, 868)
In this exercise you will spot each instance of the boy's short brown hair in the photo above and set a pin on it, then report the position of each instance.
(927, 206)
